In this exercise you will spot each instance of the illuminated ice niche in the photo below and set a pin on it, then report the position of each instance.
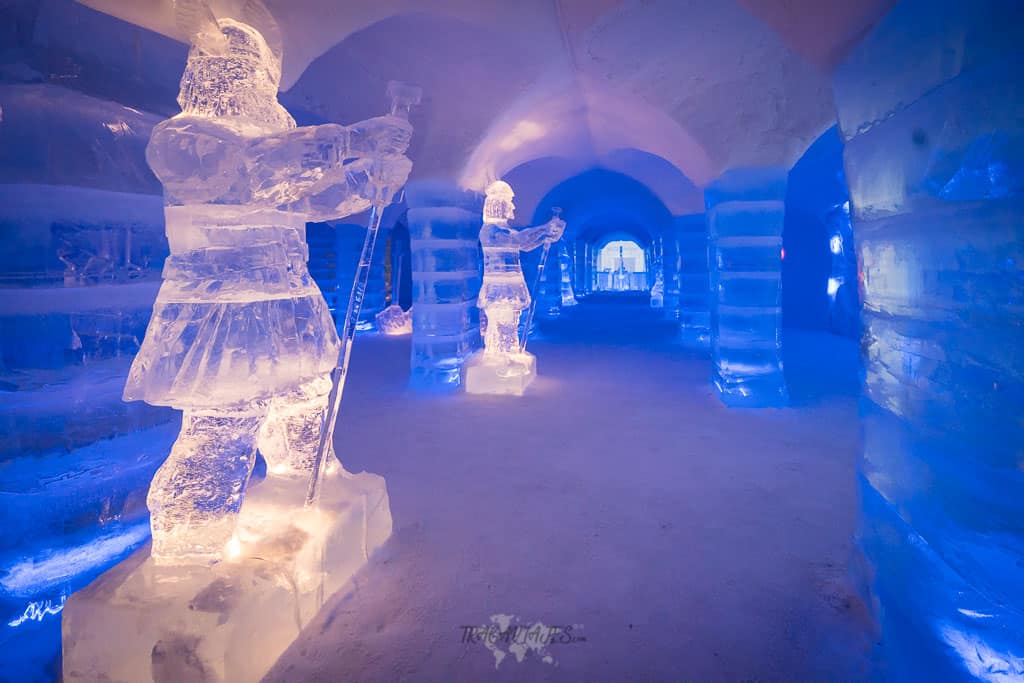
(622, 267)
(503, 367)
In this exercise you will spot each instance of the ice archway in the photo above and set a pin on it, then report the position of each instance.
(676, 95)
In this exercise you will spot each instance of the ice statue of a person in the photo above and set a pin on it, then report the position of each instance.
(620, 278)
(504, 294)
(241, 339)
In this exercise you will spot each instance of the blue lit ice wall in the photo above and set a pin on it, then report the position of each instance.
(931, 108)
(819, 273)
(745, 213)
(444, 235)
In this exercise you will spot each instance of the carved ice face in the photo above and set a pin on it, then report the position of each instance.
(236, 78)
(498, 206)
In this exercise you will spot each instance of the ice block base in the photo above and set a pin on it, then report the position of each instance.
(229, 621)
(500, 375)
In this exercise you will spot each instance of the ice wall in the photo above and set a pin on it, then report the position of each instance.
(745, 214)
(671, 265)
(444, 230)
(819, 280)
(334, 251)
(931, 108)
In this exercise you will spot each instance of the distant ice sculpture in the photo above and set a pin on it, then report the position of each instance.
(658, 288)
(621, 276)
(394, 321)
(241, 339)
(503, 367)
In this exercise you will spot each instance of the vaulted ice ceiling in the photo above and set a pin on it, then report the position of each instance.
(704, 84)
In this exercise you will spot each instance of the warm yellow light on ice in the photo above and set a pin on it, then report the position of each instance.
(233, 548)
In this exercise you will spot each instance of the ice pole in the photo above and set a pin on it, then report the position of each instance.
(556, 211)
(403, 97)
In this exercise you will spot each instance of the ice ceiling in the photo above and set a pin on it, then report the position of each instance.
(569, 85)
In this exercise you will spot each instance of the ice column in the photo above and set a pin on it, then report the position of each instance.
(691, 239)
(444, 228)
(549, 299)
(566, 268)
(556, 290)
(657, 265)
(745, 212)
(671, 265)
(583, 267)
(931, 108)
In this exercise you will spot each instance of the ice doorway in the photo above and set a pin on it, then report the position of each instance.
(620, 266)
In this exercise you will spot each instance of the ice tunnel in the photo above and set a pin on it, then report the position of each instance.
(638, 340)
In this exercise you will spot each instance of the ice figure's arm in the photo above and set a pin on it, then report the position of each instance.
(197, 159)
(529, 239)
(330, 167)
(288, 167)
(358, 185)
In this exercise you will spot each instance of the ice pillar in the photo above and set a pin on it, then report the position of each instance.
(691, 240)
(931, 108)
(556, 290)
(671, 266)
(444, 228)
(745, 211)
(566, 294)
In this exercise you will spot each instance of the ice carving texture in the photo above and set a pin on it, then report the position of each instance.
(503, 366)
(241, 338)
(745, 219)
(930, 113)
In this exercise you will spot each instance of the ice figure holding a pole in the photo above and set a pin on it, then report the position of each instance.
(504, 366)
(241, 339)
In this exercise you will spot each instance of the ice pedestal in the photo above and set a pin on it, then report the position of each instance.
(493, 374)
(232, 620)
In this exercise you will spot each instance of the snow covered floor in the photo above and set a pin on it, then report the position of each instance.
(686, 541)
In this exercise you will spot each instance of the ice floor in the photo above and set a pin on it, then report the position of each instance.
(682, 540)
(687, 541)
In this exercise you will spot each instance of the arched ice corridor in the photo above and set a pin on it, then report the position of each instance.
(775, 431)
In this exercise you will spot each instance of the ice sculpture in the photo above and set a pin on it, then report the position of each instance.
(504, 367)
(394, 321)
(621, 276)
(241, 340)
